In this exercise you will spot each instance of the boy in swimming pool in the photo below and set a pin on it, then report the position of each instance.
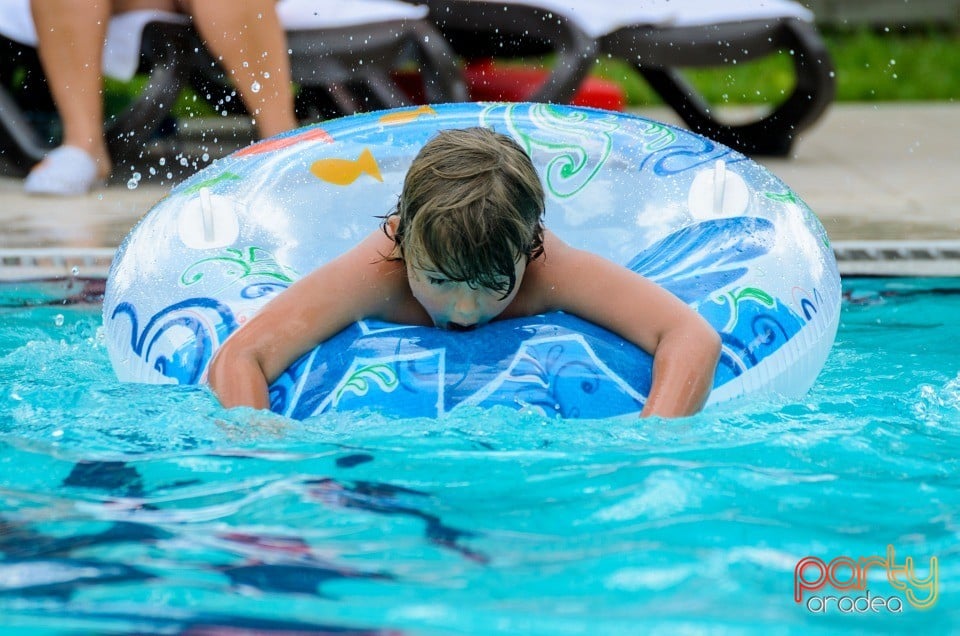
(466, 245)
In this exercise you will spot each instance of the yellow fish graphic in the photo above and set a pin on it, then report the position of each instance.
(406, 116)
(346, 171)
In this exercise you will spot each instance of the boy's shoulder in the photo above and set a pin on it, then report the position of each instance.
(566, 276)
(543, 278)
(556, 252)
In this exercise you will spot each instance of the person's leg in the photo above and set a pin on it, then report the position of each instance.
(71, 35)
(246, 36)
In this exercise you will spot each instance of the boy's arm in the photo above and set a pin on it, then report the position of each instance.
(358, 284)
(684, 346)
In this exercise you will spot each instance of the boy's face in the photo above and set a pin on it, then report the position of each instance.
(455, 305)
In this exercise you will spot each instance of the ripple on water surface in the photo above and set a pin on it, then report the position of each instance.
(148, 508)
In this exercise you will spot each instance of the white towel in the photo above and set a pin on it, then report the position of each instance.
(16, 23)
(121, 50)
(602, 17)
(327, 14)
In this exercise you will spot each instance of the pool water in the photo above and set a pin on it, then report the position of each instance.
(148, 509)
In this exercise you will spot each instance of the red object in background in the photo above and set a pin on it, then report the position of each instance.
(489, 82)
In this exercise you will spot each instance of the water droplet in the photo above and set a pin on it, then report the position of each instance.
(132, 184)
(58, 320)
(266, 75)
(426, 38)
(205, 157)
(169, 175)
(75, 270)
(184, 162)
(163, 161)
(246, 65)
(255, 87)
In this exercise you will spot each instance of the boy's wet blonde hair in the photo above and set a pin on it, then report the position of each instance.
(472, 204)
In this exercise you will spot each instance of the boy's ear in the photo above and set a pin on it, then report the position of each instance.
(392, 222)
(391, 225)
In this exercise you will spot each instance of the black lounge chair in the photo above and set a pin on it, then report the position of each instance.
(658, 37)
(342, 56)
(490, 29)
(339, 59)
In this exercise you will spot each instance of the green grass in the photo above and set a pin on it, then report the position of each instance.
(870, 66)
(118, 94)
(888, 67)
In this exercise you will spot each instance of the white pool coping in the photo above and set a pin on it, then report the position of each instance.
(921, 258)
(26, 264)
(898, 258)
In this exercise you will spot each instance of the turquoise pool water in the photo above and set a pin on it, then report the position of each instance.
(147, 509)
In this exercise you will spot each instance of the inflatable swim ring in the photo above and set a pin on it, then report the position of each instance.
(700, 219)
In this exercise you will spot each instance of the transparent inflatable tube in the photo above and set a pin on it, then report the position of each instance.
(700, 219)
